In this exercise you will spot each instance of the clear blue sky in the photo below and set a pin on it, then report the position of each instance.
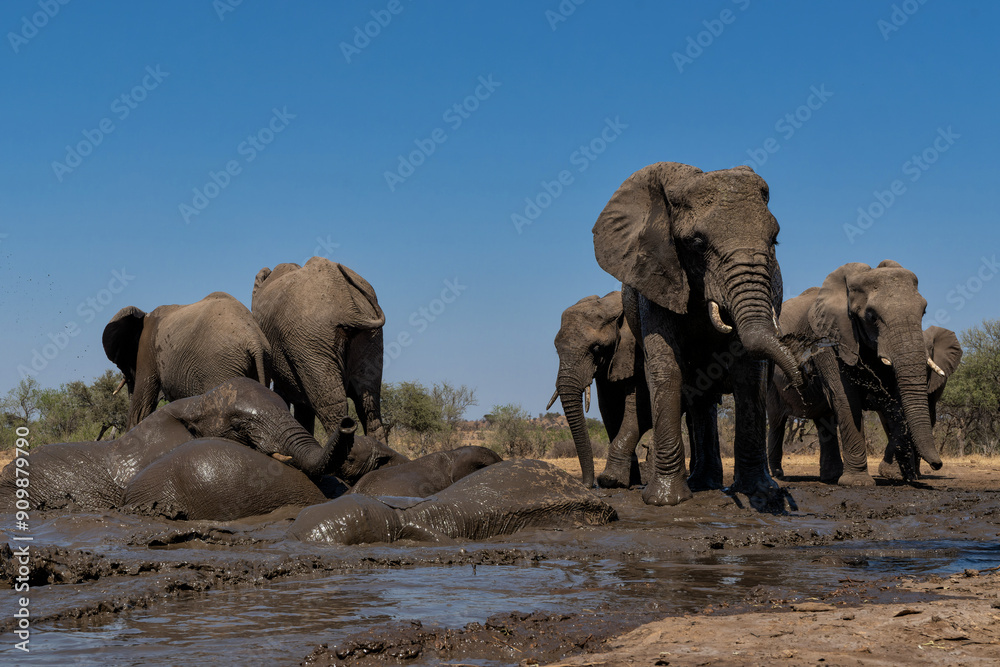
(632, 70)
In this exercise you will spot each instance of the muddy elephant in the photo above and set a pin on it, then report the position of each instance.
(944, 353)
(324, 325)
(499, 499)
(97, 475)
(868, 352)
(701, 287)
(594, 342)
(184, 350)
(426, 475)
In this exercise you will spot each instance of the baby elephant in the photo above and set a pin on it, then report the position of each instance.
(427, 475)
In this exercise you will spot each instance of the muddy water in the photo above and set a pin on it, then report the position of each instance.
(118, 590)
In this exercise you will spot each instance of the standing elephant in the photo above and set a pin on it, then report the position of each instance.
(694, 249)
(595, 342)
(184, 350)
(871, 355)
(324, 325)
(944, 353)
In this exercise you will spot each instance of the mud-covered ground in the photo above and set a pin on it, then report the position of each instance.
(894, 574)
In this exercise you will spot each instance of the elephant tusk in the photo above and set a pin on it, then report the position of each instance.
(552, 400)
(713, 313)
(122, 384)
(281, 457)
(935, 367)
(885, 360)
(586, 399)
(774, 318)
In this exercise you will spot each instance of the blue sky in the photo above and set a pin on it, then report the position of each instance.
(830, 102)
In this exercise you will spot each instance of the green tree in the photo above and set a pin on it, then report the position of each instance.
(409, 406)
(511, 435)
(970, 405)
(452, 403)
(21, 402)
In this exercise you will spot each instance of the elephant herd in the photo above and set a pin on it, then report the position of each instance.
(699, 315)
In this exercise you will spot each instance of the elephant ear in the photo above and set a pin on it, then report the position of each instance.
(121, 341)
(624, 362)
(364, 304)
(633, 239)
(830, 315)
(258, 282)
(943, 347)
(889, 264)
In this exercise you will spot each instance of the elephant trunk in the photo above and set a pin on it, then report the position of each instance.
(909, 362)
(312, 459)
(570, 387)
(752, 308)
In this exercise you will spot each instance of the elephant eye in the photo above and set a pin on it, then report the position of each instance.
(765, 195)
(698, 242)
(870, 315)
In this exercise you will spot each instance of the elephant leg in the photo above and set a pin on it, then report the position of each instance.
(750, 476)
(622, 423)
(777, 419)
(703, 431)
(831, 466)
(668, 479)
(363, 380)
(899, 447)
(848, 411)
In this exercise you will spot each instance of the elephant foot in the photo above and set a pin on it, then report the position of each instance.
(704, 482)
(856, 479)
(777, 472)
(666, 491)
(763, 493)
(614, 477)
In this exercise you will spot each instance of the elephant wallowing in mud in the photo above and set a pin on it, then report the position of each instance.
(701, 288)
(499, 499)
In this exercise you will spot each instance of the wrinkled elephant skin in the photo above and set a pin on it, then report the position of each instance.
(498, 500)
(426, 475)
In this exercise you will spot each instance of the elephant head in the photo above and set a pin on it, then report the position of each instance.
(686, 238)
(944, 353)
(873, 317)
(593, 341)
(121, 342)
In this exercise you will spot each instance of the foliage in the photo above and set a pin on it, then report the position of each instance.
(969, 409)
(510, 435)
(424, 419)
(74, 412)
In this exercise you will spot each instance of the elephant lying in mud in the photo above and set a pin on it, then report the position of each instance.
(427, 475)
(500, 499)
(97, 475)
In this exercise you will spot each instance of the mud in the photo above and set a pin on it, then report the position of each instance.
(696, 583)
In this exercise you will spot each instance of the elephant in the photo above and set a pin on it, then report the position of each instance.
(694, 249)
(867, 352)
(594, 342)
(499, 499)
(184, 350)
(944, 353)
(241, 481)
(324, 325)
(97, 475)
(426, 475)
